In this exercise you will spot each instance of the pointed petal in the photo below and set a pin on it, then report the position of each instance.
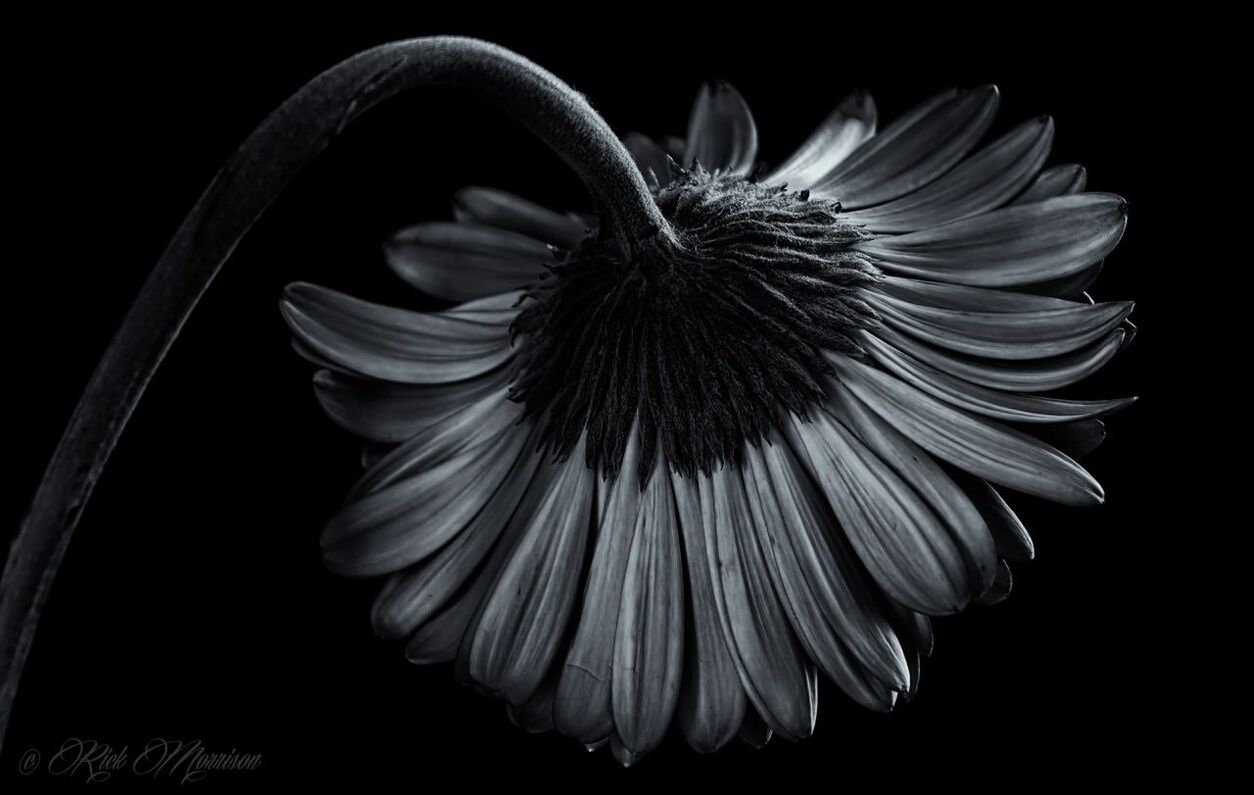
(392, 344)
(1061, 180)
(1036, 334)
(1020, 244)
(583, 707)
(832, 611)
(625, 756)
(902, 543)
(497, 208)
(754, 732)
(981, 447)
(721, 133)
(843, 131)
(712, 701)
(1000, 588)
(1011, 537)
(982, 182)
(959, 298)
(778, 682)
(914, 150)
(387, 412)
(461, 261)
(1040, 375)
(1070, 287)
(1009, 407)
(536, 716)
(1076, 439)
(523, 617)
(649, 643)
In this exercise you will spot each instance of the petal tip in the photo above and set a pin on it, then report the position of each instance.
(859, 104)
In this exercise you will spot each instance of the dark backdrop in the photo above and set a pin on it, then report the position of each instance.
(193, 603)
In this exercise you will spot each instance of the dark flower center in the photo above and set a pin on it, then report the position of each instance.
(703, 342)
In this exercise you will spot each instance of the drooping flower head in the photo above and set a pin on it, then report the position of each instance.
(666, 462)
(674, 477)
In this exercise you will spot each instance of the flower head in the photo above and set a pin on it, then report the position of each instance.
(623, 481)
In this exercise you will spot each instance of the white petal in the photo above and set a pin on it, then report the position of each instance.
(902, 543)
(522, 619)
(461, 261)
(497, 208)
(583, 709)
(1016, 245)
(392, 344)
(981, 447)
(649, 642)
(843, 131)
(914, 150)
(721, 133)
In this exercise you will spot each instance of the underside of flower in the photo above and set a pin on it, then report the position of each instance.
(706, 338)
(673, 467)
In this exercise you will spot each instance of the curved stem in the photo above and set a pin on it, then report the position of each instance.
(291, 137)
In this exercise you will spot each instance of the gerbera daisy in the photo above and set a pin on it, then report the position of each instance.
(668, 460)
(623, 488)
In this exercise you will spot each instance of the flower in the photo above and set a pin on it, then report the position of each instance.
(622, 484)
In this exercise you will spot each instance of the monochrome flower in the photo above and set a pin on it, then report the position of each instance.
(620, 485)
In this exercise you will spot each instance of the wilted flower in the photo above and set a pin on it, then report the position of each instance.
(618, 487)
(671, 459)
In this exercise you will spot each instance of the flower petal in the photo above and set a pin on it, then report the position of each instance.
(386, 412)
(1060, 180)
(461, 261)
(1039, 375)
(583, 707)
(649, 643)
(721, 133)
(928, 479)
(776, 678)
(1009, 407)
(981, 447)
(502, 210)
(843, 131)
(498, 309)
(914, 150)
(521, 622)
(980, 183)
(411, 597)
(902, 543)
(1020, 244)
(1000, 589)
(438, 639)
(375, 341)
(753, 731)
(711, 701)
(832, 610)
(536, 716)
(1076, 439)
(1037, 334)
(1009, 534)
(407, 520)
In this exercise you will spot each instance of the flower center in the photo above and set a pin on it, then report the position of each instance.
(703, 341)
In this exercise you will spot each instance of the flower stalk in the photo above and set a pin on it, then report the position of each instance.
(273, 154)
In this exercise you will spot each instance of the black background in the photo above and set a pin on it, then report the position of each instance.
(193, 602)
